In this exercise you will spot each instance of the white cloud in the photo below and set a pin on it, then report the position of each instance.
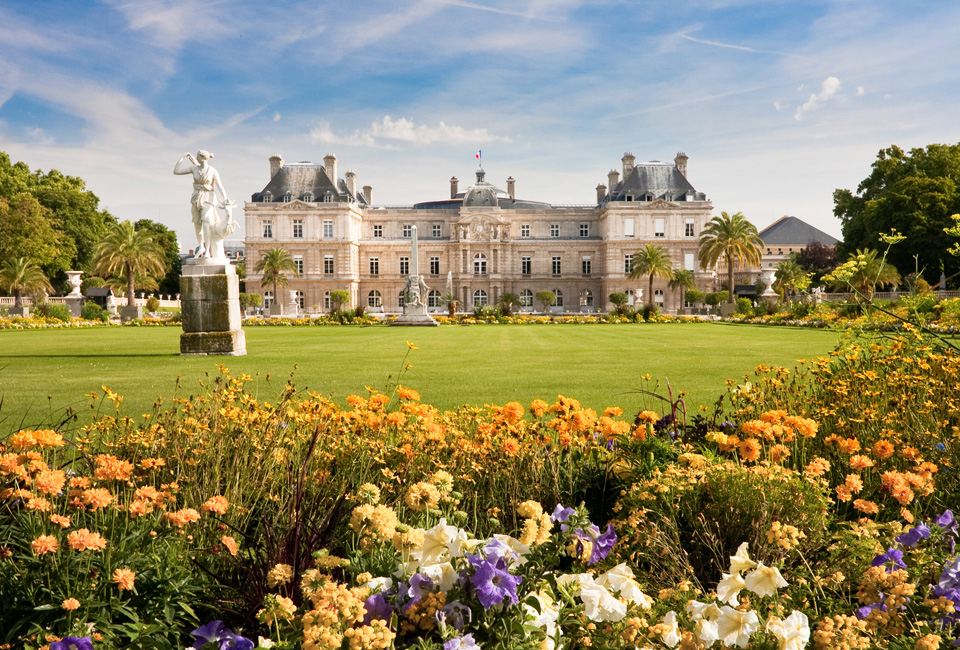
(829, 88)
(170, 24)
(276, 117)
(405, 130)
(860, 91)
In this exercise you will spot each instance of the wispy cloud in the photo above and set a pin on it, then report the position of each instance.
(734, 46)
(828, 89)
(171, 23)
(388, 130)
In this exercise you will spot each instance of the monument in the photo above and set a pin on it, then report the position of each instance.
(209, 285)
(414, 309)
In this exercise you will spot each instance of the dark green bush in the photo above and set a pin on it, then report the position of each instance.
(90, 311)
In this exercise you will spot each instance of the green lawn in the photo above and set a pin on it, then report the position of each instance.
(44, 372)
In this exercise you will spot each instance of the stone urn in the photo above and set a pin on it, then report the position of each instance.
(73, 279)
(769, 296)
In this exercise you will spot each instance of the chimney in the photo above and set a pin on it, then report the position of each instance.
(601, 192)
(351, 179)
(330, 166)
(613, 177)
(276, 164)
(681, 163)
(367, 192)
(454, 183)
(628, 164)
(512, 187)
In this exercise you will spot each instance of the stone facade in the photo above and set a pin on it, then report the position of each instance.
(481, 242)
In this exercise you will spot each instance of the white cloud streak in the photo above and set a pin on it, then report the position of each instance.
(388, 131)
(828, 89)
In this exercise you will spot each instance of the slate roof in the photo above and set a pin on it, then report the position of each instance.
(303, 179)
(480, 194)
(655, 180)
(791, 230)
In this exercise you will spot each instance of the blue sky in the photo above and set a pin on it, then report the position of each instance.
(776, 103)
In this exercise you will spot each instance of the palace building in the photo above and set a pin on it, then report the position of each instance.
(479, 243)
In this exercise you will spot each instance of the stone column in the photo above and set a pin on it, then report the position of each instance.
(210, 304)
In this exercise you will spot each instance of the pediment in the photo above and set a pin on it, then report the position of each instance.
(481, 226)
(660, 204)
(297, 204)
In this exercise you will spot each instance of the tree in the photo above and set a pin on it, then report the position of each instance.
(507, 302)
(652, 260)
(20, 275)
(338, 299)
(819, 259)
(914, 193)
(733, 239)
(28, 230)
(790, 277)
(682, 281)
(863, 271)
(274, 266)
(131, 255)
(546, 298)
(167, 239)
(619, 300)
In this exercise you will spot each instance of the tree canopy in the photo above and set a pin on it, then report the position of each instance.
(651, 261)
(732, 238)
(912, 192)
(130, 254)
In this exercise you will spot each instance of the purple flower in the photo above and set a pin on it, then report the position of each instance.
(209, 633)
(913, 536)
(493, 585)
(212, 632)
(231, 641)
(561, 514)
(864, 611)
(603, 544)
(456, 614)
(947, 521)
(891, 556)
(73, 643)
(377, 608)
(419, 587)
(464, 642)
(950, 578)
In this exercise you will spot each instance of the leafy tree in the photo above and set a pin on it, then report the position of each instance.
(819, 259)
(682, 281)
(652, 260)
(21, 275)
(789, 278)
(338, 299)
(546, 298)
(131, 255)
(694, 296)
(28, 230)
(619, 301)
(507, 302)
(167, 239)
(912, 192)
(274, 266)
(863, 271)
(733, 239)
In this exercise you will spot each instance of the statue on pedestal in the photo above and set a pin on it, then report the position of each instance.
(211, 231)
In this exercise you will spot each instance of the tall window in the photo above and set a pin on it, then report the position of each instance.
(267, 299)
(525, 265)
(554, 229)
(327, 303)
(658, 297)
(404, 265)
(374, 266)
(628, 229)
(627, 263)
(689, 228)
(585, 266)
(267, 228)
(402, 298)
(328, 264)
(559, 295)
(298, 228)
(526, 298)
(300, 301)
(405, 231)
(298, 264)
(556, 265)
(328, 228)
(525, 230)
(434, 265)
(584, 229)
(374, 299)
(480, 264)
(479, 298)
(434, 299)
(437, 231)
(658, 230)
(378, 231)
(688, 262)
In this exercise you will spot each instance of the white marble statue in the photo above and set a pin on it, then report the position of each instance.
(211, 230)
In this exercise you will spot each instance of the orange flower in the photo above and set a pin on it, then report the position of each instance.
(230, 543)
(151, 463)
(217, 505)
(111, 468)
(49, 481)
(38, 504)
(80, 482)
(510, 447)
(648, 416)
(139, 507)
(47, 439)
(181, 518)
(408, 393)
(97, 498)
(848, 445)
(912, 454)
(84, 540)
(538, 407)
(804, 426)
(867, 507)
(60, 520)
(773, 417)
(71, 604)
(860, 462)
(817, 467)
(779, 453)
(44, 544)
(854, 483)
(843, 492)
(613, 411)
(883, 449)
(750, 449)
(512, 411)
(148, 493)
(124, 579)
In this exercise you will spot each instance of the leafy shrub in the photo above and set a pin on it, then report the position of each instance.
(650, 311)
(800, 309)
(56, 311)
(153, 304)
(694, 296)
(744, 306)
(91, 311)
(712, 299)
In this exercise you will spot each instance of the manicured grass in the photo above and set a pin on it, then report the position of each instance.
(44, 372)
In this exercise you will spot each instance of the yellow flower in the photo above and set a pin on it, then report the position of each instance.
(281, 574)
(412, 346)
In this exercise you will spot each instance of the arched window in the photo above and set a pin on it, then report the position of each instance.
(479, 298)
(434, 299)
(559, 295)
(373, 299)
(658, 297)
(586, 298)
(327, 303)
(300, 300)
(479, 264)
(267, 299)
(526, 298)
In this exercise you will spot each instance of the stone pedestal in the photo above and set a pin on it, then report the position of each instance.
(210, 306)
(74, 303)
(415, 314)
(129, 312)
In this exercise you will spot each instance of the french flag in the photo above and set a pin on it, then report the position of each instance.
(478, 154)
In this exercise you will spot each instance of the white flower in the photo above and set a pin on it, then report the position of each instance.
(671, 637)
(519, 551)
(575, 578)
(620, 578)
(765, 580)
(546, 619)
(729, 588)
(379, 585)
(436, 542)
(735, 627)
(707, 631)
(792, 633)
(443, 575)
(600, 605)
(265, 643)
(699, 611)
(741, 561)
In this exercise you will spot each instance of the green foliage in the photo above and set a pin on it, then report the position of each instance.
(507, 302)
(694, 296)
(338, 299)
(273, 268)
(790, 278)
(651, 261)
(20, 275)
(91, 311)
(131, 256)
(153, 304)
(863, 271)
(730, 238)
(28, 230)
(744, 306)
(817, 259)
(712, 299)
(168, 284)
(546, 299)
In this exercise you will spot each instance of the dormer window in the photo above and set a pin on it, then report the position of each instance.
(267, 197)
(308, 197)
(328, 197)
(628, 197)
(287, 197)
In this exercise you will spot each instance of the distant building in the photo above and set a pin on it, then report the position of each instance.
(789, 235)
(483, 240)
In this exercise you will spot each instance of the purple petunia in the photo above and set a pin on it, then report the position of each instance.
(215, 632)
(73, 643)
(377, 608)
(893, 557)
(456, 614)
(464, 642)
(864, 611)
(913, 536)
(947, 522)
(493, 584)
(561, 514)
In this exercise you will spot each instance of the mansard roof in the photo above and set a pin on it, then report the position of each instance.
(479, 195)
(791, 230)
(655, 180)
(301, 180)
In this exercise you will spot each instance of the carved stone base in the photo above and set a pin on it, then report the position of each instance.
(210, 306)
(131, 313)
(232, 343)
(415, 315)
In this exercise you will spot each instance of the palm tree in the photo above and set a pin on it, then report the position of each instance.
(790, 277)
(652, 260)
(21, 275)
(732, 238)
(682, 281)
(507, 302)
(863, 271)
(274, 265)
(130, 254)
